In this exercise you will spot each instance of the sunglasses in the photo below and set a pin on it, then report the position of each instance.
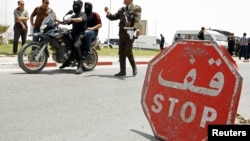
(21, 3)
(47, 2)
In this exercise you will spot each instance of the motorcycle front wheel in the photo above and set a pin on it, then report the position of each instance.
(29, 59)
(91, 61)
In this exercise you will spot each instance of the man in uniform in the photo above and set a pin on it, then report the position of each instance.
(129, 16)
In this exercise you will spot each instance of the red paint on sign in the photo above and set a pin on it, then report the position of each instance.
(188, 86)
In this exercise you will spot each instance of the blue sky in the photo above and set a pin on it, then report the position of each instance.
(163, 16)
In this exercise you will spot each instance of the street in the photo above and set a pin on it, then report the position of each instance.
(57, 105)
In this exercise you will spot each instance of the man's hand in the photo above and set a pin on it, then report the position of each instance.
(106, 9)
(137, 32)
(89, 28)
(68, 21)
(24, 27)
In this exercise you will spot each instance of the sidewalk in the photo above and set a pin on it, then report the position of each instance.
(12, 61)
(6, 61)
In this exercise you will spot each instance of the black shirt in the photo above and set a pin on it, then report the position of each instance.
(231, 42)
(162, 40)
(78, 28)
(201, 35)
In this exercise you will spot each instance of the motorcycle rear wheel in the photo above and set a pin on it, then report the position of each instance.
(91, 61)
(29, 60)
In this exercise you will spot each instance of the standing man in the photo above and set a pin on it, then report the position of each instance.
(20, 27)
(178, 37)
(93, 24)
(231, 44)
(129, 16)
(40, 13)
(78, 21)
(201, 34)
(162, 41)
(244, 47)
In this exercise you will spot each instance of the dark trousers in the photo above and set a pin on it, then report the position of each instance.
(244, 52)
(36, 30)
(18, 31)
(230, 50)
(161, 46)
(248, 52)
(77, 46)
(126, 50)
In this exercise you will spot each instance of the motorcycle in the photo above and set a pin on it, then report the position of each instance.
(33, 56)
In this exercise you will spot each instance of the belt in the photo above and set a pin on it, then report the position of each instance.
(128, 28)
(19, 23)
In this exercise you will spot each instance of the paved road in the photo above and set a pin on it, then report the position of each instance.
(58, 105)
(244, 104)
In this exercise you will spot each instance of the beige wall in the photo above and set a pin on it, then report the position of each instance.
(144, 27)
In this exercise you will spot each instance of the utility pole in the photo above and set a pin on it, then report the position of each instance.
(155, 26)
(6, 13)
(109, 22)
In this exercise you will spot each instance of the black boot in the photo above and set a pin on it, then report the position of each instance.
(79, 67)
(79, 60)
(122, 67)
(120, 74)
(64, 65)
(133, 65)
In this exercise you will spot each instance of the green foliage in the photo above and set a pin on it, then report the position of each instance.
(137, 53)
(7, 50)
(3, 28)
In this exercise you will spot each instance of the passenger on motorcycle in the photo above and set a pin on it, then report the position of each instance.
(78, 21)
(93, 25)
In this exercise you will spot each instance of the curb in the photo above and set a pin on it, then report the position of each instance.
(102, 63)
(6, 61)
(107, 63)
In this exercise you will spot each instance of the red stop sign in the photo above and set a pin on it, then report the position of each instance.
(188, 86)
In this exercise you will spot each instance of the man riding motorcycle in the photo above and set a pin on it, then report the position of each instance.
(93, 24)
(78, 21)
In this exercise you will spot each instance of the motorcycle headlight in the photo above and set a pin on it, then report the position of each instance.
(43, 27)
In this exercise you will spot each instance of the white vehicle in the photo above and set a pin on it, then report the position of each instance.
(113, 43)
(147, 42)
(210, 35)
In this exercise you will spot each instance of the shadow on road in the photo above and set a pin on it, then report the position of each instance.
(111, 76)
(151, 138)
(55, 71)
(72, 72)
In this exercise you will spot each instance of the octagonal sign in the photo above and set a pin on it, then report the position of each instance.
(188, 86)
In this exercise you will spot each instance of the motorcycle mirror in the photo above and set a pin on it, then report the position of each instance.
(68, 13)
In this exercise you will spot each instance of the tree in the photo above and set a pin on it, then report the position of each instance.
(3, 29)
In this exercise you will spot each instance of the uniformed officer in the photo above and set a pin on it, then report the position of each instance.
(130, 18)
